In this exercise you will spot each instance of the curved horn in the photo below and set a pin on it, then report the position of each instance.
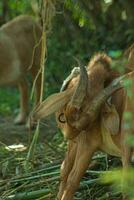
(103, 95)
(80, 91)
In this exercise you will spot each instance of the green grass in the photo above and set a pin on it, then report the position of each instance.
(9, 100)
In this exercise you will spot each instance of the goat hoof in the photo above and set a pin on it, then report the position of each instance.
(30, 124)
(20, 120)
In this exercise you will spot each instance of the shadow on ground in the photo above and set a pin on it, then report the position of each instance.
(10, 133)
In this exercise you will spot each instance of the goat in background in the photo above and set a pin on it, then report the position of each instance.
(19, 55)
(89, 120)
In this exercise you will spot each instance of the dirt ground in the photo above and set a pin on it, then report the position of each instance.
(15, 134)
(46, 155)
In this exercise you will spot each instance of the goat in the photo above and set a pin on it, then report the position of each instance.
(88, 120)
(20, 54)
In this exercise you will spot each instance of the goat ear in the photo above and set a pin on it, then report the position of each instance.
(110, 119)
(52, 104)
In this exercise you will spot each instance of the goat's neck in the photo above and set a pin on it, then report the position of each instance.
(97, 77)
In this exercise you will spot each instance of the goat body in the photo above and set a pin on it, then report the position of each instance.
(20, 54)
(89, 122)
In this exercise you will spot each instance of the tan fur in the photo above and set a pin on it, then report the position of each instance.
(110, 119)
(108, 144)
(86, 135)
(18, 39)
(100, 58)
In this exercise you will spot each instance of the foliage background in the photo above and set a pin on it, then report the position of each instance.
(80, 28)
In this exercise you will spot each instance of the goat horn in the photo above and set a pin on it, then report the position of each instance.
(80, 91)
(103, 96)
(116, 84)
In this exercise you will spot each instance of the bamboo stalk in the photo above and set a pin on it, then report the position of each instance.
(46, 169)
(40, 171)
(108, 195)
(28, 178)
(83, 184)
(53, 173)
(49, 167)
(41, 183)
(29, 195)
(30, 185)
(40, 193)
(48, 175)
(92, 172)
(35, 177)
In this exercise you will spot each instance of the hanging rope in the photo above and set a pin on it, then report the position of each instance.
(47, 11)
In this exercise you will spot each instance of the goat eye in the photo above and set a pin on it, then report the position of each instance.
(61, 118)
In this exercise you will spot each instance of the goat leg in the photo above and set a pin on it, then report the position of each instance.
(85, 150)
(66, 166)
(22, 116)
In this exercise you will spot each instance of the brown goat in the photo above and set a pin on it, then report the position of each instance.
(19, 55)
(89, 121)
